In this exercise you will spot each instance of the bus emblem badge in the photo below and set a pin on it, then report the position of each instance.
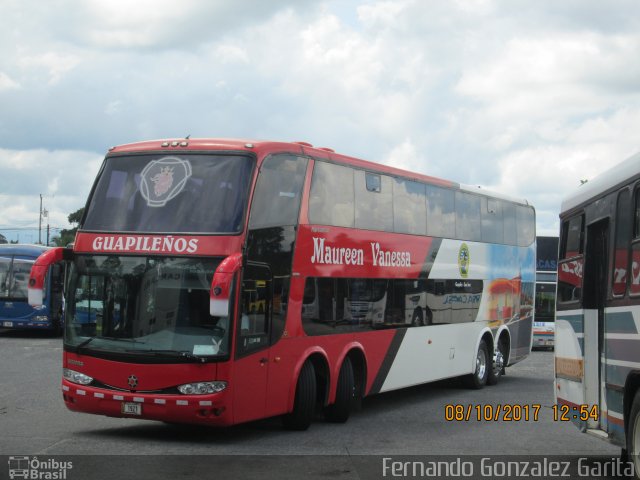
(132, 381)
(464, 259)
(163, 179)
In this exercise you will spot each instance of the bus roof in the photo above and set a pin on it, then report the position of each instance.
(263, 147)
(23, 250)
(611, 178)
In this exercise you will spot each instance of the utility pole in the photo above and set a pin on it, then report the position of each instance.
(43, 213)
(40, 223)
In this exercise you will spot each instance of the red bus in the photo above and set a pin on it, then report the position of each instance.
(223, 281)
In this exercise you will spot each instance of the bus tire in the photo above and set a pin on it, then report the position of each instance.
(497, 367)
(339, 411)
(633, 434)
(304, 404)
(418, 318)
(478, 378)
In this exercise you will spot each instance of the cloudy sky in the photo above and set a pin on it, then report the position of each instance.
(523, 97)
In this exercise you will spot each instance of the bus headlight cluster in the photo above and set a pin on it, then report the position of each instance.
(76, 377)
(41, 318)
(202, 388)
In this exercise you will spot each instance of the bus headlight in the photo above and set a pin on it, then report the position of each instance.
(202, 388)
(76, 377)
(41, 318)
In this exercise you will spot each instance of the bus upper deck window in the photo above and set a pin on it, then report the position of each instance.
(374, 184)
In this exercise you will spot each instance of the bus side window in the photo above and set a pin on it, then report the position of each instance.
(276, 200)
(621, 245)
(634, 284)
(331, 201)
(571, 262)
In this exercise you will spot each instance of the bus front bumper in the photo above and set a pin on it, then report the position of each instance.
(199, 409)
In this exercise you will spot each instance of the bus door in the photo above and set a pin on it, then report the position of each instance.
(594, 299)
(56, 293)
(253, 326)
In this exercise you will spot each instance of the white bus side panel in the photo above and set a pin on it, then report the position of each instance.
(432, 353)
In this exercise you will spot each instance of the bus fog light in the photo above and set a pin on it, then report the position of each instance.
(202, 388)
(76, 377)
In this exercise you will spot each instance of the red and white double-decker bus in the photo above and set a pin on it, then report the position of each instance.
(221, 281)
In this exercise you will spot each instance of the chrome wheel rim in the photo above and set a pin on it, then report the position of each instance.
(481, 364)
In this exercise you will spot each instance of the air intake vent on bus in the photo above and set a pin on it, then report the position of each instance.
(326, 149)
(304, 144)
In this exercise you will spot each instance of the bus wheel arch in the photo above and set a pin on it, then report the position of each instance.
(631, 390)
(499, 357)
(632, 427)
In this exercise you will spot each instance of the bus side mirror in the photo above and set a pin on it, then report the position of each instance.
(35, 290)
(221, 284)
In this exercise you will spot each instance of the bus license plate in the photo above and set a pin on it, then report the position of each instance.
(7, 324)
(129, 408)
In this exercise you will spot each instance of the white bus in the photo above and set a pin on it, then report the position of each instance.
(597, 351)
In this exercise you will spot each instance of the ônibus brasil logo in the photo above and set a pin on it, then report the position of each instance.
(163, 179)
(33, 468)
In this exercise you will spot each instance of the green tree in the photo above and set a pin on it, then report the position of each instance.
(67, 236)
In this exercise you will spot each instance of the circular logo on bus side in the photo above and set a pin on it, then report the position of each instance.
(464, 259)
(163, 179)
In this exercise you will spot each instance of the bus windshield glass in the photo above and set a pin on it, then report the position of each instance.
(186, 193)
(154, 306)
(14, 276)
(545, 302)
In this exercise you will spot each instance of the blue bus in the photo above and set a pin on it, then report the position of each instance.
(15, 312)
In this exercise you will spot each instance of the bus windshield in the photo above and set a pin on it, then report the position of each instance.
(14, 275)
(545, 302)
(155, 306)
(186, 193)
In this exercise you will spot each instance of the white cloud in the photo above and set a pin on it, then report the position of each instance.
(63, 177)
(523, 98)
(55, 64)
(7, 83)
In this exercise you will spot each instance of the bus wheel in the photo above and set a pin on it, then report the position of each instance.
(305, 401)
(633, 434)
(418, 318)
(498, 363)
(478, 378)
(339, 411)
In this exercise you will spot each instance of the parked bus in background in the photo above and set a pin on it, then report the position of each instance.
(15, 312)
(240, 280)
(546, 282)
(597, 351)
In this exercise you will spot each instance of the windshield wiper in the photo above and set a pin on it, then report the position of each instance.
(91, 339)
(171, 353)
(83, 343)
